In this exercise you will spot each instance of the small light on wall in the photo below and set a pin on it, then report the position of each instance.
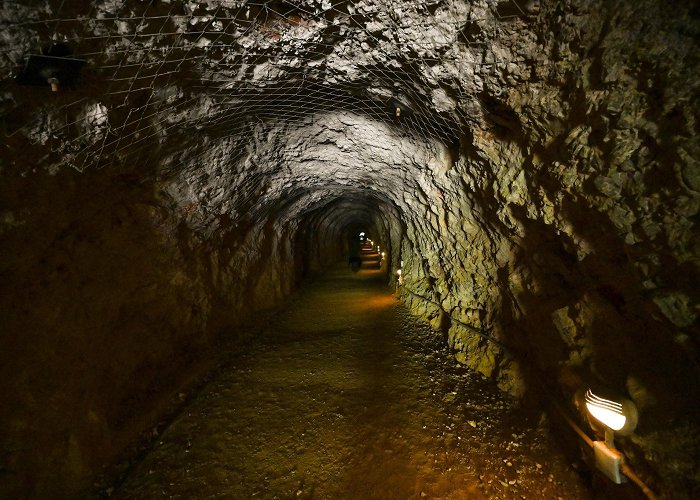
(54, 83)
(615, 417)
(398, 112)
(383, 255)
(398, 273)
(55, 67)
(606, 411)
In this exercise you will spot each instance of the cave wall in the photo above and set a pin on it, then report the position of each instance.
(113, 303)
(571, 232)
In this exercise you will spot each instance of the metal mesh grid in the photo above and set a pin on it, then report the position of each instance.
(210, 51)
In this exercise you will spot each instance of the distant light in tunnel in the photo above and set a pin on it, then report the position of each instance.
(399, 277)
(383, 255)
(362, 235)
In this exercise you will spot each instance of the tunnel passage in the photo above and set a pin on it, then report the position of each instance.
(173, 170)
(345, 395)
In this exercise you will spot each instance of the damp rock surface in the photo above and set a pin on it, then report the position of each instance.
(348, 396)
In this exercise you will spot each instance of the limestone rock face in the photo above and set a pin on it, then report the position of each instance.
(532, 167)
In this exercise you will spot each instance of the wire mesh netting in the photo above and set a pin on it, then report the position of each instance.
(131, 79)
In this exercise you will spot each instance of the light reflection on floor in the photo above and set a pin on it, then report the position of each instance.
(348, 397)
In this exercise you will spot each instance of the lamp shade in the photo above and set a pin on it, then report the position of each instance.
(619, 416)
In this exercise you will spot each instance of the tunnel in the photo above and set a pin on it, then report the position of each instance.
(349, 249)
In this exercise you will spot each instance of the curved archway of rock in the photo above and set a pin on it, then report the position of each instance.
(171, 169)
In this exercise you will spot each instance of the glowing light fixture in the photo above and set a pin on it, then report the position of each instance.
(606, 411)
(362, 235)
(399, 279)
(383, 255)
(58, 68)
(54, 83)
(617, 416)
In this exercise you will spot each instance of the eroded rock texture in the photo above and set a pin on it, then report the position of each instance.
(534, 164)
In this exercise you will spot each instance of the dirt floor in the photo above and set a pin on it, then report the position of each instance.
(347, 396)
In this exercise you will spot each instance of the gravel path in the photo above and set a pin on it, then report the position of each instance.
(347, 396)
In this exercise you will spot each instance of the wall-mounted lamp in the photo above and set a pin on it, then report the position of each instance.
(53, 81)
(614, 417)
(617, 416)
(55, 67)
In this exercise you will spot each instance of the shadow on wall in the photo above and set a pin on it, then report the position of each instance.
(110, 305)
(587, 322)
(101, 314)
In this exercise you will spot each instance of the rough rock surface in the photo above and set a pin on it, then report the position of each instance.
(534, 165)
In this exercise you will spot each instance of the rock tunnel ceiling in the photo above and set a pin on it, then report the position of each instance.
(171, 168)
(187, 85)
